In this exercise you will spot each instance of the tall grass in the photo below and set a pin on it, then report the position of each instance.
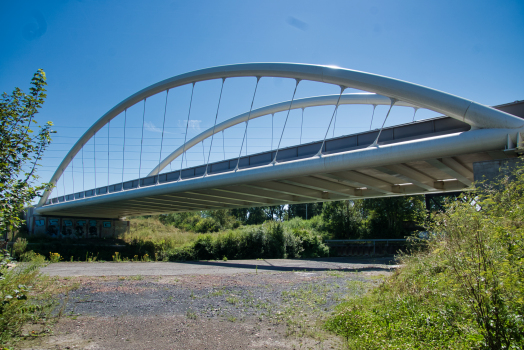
(462, 289)
(152, 229)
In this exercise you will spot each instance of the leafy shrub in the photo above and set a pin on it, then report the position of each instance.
(266, 241)
(461, 288)
(205, 225)
(20, 246)
(18, 305)
(312, 245)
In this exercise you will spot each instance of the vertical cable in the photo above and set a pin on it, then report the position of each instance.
(142, 143)
(214, 126)
(414, 113)
(247, 123)
(224, 144)
(124, 148)
(393, 100)
(301, 125)
(342, 88)
(162, 140)
(185, 137)
(285, 123)
(272, 119)
(335, 123)
(372, 115)
(108, 127)
(83, 172)
(204, 152)
(94, 157)
(73, 174)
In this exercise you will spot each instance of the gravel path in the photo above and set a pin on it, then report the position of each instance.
(65, 269)
(259, 308)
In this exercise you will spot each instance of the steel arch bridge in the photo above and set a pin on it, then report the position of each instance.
(429, 156)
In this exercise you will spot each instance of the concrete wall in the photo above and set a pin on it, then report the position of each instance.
(490, 170)
(74, 228)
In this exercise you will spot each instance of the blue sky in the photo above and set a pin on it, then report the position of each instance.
(97, 53)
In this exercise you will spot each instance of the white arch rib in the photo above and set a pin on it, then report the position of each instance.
(345, 99)
(477, 115)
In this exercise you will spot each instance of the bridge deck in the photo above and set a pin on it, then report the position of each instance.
(167, 193)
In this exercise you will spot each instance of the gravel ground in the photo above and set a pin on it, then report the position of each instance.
(255, 310)
(212, 267)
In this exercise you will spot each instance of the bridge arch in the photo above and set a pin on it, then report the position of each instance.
(477, 115)
(326, 100)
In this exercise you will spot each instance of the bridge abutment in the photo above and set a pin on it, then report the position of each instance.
(74, 227)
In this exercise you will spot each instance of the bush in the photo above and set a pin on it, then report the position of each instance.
(18, 304)
(312, 245)
(267, 241)
(20, 246)
(462, 288)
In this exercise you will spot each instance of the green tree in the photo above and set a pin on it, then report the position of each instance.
(22, 143)
(344, 219)
(305, 211)
(394, 217)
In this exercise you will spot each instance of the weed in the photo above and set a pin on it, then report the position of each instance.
(55, 257)
(191, 315)
(136, 278)
(233, 300)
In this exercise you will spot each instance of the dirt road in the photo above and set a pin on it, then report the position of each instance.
(266, 305)
(66, 269)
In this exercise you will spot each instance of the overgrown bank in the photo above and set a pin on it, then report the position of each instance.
(463, 288)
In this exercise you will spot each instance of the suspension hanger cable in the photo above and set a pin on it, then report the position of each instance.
(414, 113)
(342, 88)
(301, 125)
(162, 140)
(108, 127)
(272, 120)
(204, 151)
(247, 123)
(83, 174)
(372, 115)
(393, 100)
(214, 126)
(185, 137)
(124, 148)
(335, 123)
(142, 143)
(73, 174)
(224, 144)
(94, 157)
(285, 123)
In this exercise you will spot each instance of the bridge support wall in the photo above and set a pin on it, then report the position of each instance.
(74, 228)
(488, 171)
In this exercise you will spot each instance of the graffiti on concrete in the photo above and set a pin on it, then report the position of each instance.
(80, 228)
(93, 229)
(67, 228)
(53, 228)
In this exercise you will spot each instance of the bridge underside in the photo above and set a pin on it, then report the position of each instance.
(292, 181)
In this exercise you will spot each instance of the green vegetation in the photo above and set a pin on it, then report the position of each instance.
(463, 288)
(20, 150)
(25, 296)
(240, 233)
